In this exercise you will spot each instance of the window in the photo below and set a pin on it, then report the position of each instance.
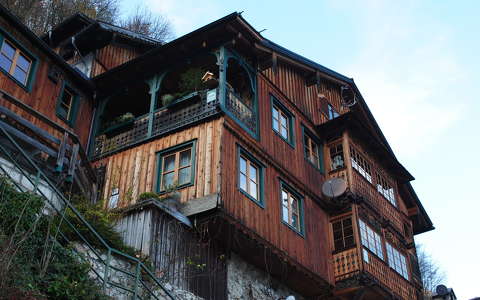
(386, 189)
(336, 156)
(176, 167)
(67, 104)
(292, 209)
(282, 121)
(397, 261)
(113, 201)
(370, 239)
(312, 150)
(360, 164)
(332, 113)
(250, 176)
(343, 234)
(15, 62)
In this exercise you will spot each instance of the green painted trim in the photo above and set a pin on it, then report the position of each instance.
(262, 169)
(301, 199)
(33, 68)
(159, 154)
(75, 104)
(306, 131)
(226, 54)
(291, 120)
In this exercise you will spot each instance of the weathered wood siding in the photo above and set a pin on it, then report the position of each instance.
(285, 162)
(134, 171)
(44, 94)
(111, 56)
(292, 83)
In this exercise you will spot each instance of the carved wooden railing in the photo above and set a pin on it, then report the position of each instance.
(164, 121)
(346, 264)
(389, 278)
(362, 187)
(241, 111)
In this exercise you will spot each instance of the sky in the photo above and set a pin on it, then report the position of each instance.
(417, 66)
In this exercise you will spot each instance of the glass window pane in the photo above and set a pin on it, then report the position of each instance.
(283, 120)
(284, 132)
(168, 180)
(285, 214)
(294, 205)
(169, 163)
(295, 221)
(8, 50)
(23, 63)
(284, 198)
(20, 75)
(185, 158)
(5, 63)
(253, 189)
(253, 173)
(243, 182)
(184, 175)
(243, 165)
(275, 125)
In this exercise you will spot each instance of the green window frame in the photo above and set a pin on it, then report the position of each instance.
(21, 63)
(250, 176)
(312, 149)
(291, 208)
(176, 165)
(68, 104)
(283, 121)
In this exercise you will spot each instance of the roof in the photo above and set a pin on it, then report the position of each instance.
(35, 40)
(80, 22)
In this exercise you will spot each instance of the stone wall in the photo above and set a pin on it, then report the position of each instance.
(245, 281)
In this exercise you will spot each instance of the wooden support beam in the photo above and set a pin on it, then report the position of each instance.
(17, 133)
(73, 161)
(61, 153)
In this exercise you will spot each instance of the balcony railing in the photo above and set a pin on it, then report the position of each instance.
(363, 188)
(241, 111)
(164, 121)
(346, 264)
(389, 278)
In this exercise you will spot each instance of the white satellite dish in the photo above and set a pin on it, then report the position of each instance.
(334, 187)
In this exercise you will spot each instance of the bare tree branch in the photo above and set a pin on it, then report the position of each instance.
(144, 22)
(432, 274)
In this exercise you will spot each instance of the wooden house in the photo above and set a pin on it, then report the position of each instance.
(247, 132)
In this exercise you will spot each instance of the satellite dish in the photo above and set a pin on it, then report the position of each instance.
(348, 96)
(334, 187)
(441, 290)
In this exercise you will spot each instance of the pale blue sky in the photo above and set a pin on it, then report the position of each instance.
(417, 65)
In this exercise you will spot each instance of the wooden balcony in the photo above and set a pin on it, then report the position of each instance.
(346, 264)
(350, 264)
(362, 187)
(389, 278)
(163, 121)
(240, 110)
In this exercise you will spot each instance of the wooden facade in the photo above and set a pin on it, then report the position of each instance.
(44, 93)
(232, 118)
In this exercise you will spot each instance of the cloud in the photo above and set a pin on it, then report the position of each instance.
(406, 69)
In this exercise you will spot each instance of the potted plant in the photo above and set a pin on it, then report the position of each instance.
(119, 124)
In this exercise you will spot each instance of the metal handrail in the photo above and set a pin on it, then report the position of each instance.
(40, 176)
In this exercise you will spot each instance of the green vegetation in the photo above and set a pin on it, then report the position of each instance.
(148, 195)
(34, 266)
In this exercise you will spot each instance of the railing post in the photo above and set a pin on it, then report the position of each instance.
(154, 84)
(107, 269)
